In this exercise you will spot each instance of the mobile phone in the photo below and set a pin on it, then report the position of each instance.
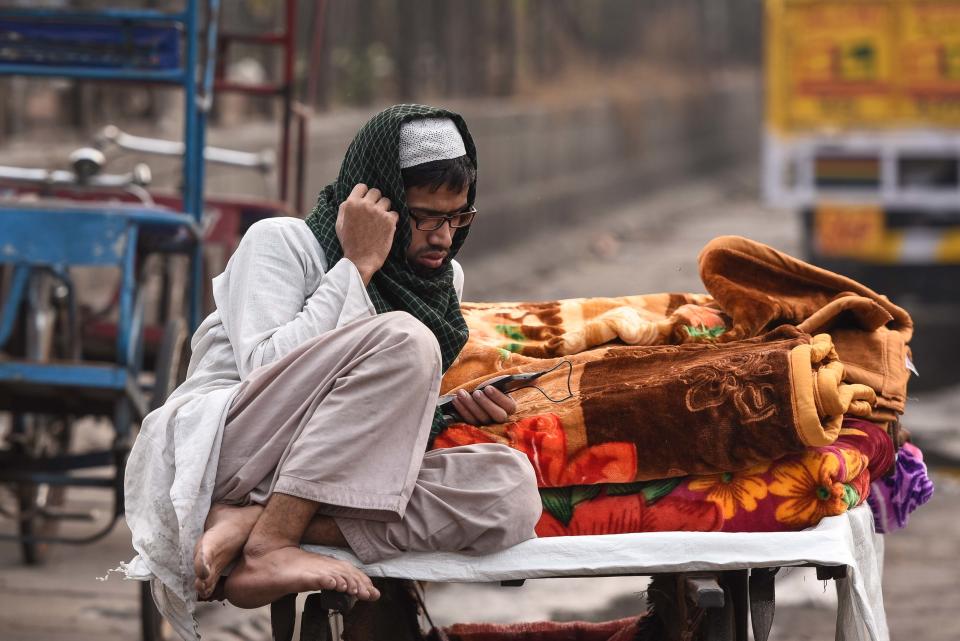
(505, 383)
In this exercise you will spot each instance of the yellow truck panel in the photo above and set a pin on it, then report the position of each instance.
(930, 69)
(840, 64)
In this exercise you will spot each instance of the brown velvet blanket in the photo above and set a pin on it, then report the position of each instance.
(650, 412)
(760, 288)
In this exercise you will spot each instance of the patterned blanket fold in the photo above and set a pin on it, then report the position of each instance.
(653, 412)
(504, 335)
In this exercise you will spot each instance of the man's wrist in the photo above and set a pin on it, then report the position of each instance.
(365, 270)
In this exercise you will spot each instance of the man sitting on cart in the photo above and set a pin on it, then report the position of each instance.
(311, 393)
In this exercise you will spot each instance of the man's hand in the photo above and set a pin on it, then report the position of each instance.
(365, 227)
(488, 405)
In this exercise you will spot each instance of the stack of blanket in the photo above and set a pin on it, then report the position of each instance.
(765, 405)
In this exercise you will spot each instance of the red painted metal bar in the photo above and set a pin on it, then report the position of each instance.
(302, 114)
(285, 39)
(288, 66)
(316, 51)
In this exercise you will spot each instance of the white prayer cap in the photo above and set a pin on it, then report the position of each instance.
(428, 139)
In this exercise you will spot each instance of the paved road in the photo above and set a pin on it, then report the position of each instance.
(645, 247)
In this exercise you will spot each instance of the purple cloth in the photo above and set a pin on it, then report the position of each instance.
(893, 497)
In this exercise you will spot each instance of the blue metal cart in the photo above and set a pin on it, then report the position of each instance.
(45, 384)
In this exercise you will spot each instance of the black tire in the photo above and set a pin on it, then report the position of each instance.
(41, 436)
(173, 357)
(48, 437)
(170, 370)
(152, 625)
(33, 524)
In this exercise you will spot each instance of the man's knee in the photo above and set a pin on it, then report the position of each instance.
(523, 503)
(411, 336)
(512, 517)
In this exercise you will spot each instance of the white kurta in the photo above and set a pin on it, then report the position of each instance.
(276, 292)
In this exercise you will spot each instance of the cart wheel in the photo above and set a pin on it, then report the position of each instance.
(153, 627)
(170, 370)
(30, 498)
(43, 436)
(35, 435)
(173, 357)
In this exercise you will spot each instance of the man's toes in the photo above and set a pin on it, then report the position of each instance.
(345, 582)
(365, 582)
(364, 585)
(353, 586)
(328, 582)
(217, 591)
(367, 592)
(200, 565)
(204, 589)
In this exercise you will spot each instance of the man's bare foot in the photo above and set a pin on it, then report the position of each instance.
(225, 531)
(265, 574)
(218, 592)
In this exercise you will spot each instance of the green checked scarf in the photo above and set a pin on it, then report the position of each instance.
(373, 158)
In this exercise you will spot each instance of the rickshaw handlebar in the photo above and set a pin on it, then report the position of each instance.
(262, 161)
(140, 176)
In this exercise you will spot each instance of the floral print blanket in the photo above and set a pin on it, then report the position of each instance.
(792, 493)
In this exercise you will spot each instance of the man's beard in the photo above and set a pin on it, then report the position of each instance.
(429, 272)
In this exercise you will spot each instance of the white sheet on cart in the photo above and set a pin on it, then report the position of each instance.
(848, 539)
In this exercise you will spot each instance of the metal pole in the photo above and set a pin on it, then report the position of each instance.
(288, 62)
(190, 113)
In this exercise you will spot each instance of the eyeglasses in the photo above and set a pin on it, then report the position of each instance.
(433, 223)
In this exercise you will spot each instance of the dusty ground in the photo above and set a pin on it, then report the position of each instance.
(648, 246)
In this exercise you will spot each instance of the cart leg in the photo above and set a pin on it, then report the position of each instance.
(315, 620)
(762, 601)
(283, 617)
(316, 624)
(736, 583)
(393, 616)
(151, 622)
